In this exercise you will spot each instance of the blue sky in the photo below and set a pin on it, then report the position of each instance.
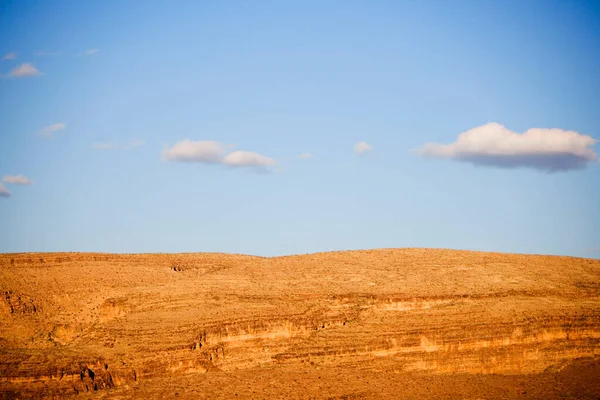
(157, 126)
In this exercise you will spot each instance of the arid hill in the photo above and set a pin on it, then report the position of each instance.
(398, 323)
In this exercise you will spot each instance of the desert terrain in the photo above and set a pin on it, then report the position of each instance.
(389, 324)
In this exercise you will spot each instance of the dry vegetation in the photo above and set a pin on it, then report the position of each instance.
(406, 323)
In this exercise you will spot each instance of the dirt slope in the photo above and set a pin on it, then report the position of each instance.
(398, 323)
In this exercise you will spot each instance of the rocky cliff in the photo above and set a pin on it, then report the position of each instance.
(138, 325)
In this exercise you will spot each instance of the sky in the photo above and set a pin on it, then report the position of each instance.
(274, 128)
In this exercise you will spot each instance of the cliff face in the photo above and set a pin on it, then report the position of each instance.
(84, 323)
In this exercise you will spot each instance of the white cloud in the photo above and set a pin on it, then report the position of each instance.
(362, 148)
(49, 130)
(494, 145)
(105, 146)
(16, 180)
(305, 156)
(114, 145)
(205, 151)
(213, 152)
(242, 158)
(4, 192)
(10, 56)
(24, 70)
(91, 52)
(137, 143)
(46, 53)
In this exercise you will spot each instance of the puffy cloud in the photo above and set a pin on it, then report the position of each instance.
(362, 148)
(493, 145)
(248, 159)
(205, 151)
(10, 56)
(213, 152)
(16, 180)
(24, 70)
(305, 156)
(91, 52)
(4, 192)
(49, 130)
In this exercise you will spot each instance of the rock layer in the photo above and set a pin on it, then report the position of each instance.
(101, 324)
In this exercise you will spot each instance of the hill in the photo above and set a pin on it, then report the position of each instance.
(389, 323)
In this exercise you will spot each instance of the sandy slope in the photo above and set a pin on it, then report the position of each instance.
(398, 323)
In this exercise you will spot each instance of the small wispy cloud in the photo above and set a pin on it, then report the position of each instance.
(306, 156)
(116, 146)
(49, 131)
(23, 70)
(4, 192)
(137, 143)
(213, 152)
(46, 53)
(9, 56)
(362, 148)
(105, 146)
(16, 180)
(493, 145)
(91, 52)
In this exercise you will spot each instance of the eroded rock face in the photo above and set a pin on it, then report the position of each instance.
(79, 323)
